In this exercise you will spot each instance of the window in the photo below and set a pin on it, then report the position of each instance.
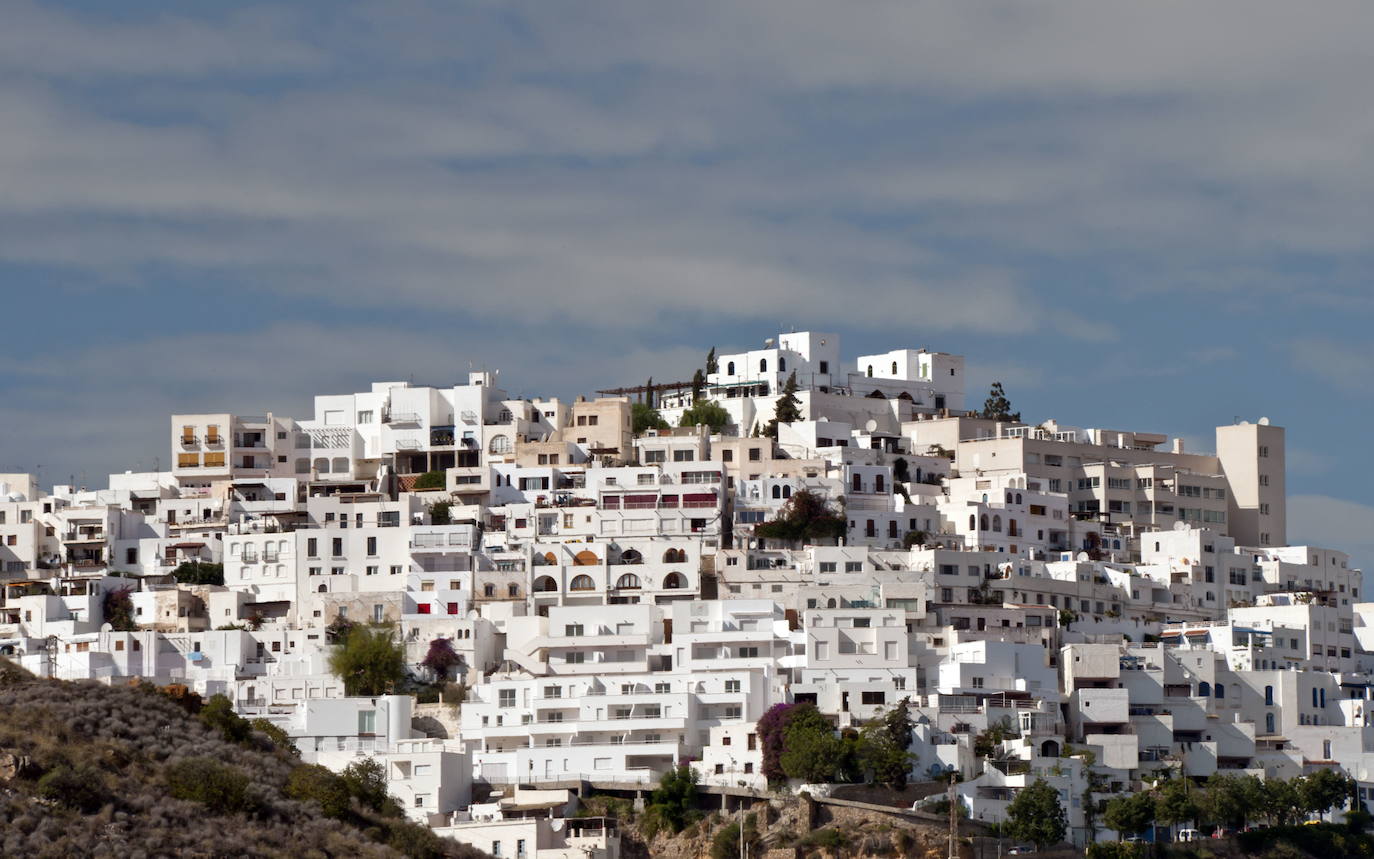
(506, 698)
(873, 699)
(367, 722)
(732, 686)
(336, 547)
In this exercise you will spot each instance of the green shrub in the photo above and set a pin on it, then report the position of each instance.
(314, 783)
(430, 480)
(221, 788)
(366, 782)
(279, 738)
(81, 788)
(218, 713)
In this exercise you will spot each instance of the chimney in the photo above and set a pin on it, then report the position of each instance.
(1178, 445)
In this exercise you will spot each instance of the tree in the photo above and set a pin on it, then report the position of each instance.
(707, 412)
(118, 609)
(901, 470)
(1130, 814)
(787, 409)
(366, 782)
(674, 800)
(218, 714)
(1323, 790)
(440, 513)
(997, 407)
(199, 573)
(1229, 800)
(317, 784)
(441, 658)
(770, 729)
(1035, 815)
(811, 751)
(806, 516)
(1279, 801)
(698, 384)
(645, 417)
(711, 365)
(1174, 802)
(369, 660)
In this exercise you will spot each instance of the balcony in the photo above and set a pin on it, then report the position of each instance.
(441, 436)
(401, 418)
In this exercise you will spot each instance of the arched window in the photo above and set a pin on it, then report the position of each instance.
(1010, 497)
(631, 556)
(501, 444)
(894, 368)
(340, 464)
(675, 556)
(730, 369)
(1219, 690)
(777, 491)
(870, 371)
(1269, 696)
(545, 584)
(586, 558)
(322, 465)
(782, 365)
(983, 522)
(489, 590)
(674, 582)
(787, 492)
(549, 558)
(324, 589)
(1018, 498)
(628, 580)
(972, 522)
(1314, 698)
(582, 582)
(831, 603)
(1269, 723)
(763, 365)
(1204, 689)
(512, 590)
(997, 523)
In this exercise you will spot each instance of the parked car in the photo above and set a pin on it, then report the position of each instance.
(1021, 849)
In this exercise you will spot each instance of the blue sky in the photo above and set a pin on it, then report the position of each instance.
(1150, 217)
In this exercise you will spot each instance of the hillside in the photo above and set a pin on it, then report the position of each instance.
(91, 770)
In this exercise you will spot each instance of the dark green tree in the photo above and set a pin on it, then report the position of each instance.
(997, 407)
(1130, 814)
(1279, 801)
(711, 365)
(369, 660)
(883, 747)
(317, 784)
(674, 800)
(901, 470)
(805, 517)
(649, 393)
(811, 750)
(645, 417)
(707, 412)
(1175, 802)
(787, 409)
(1229, 800)
(218, 714)
(366, 782)
(1035, 815)
(698, 384)
(199, 573)
(1323, 790)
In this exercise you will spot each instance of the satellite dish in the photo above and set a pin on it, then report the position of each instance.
(1180, 526)
(107, 627)
(1083, 556)
(768, 343)
(1264, 422)
(1245, 423)
(871, 425)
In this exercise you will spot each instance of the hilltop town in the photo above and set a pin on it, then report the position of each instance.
(509, 602)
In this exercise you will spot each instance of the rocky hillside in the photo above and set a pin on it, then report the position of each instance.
(91, 770)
